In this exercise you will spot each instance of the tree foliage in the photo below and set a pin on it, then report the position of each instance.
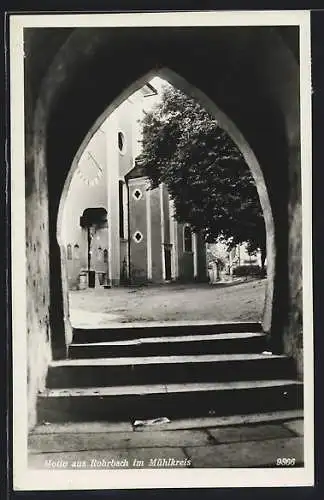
(206, 174)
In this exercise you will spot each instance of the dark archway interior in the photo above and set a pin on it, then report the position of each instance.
(252, 74)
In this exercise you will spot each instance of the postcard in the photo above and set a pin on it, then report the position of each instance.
(161, 241)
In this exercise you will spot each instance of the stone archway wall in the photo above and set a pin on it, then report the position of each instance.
(253, 77)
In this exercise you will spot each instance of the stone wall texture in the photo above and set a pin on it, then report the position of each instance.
(39, 351)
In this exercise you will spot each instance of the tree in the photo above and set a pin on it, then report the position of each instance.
(204, 171)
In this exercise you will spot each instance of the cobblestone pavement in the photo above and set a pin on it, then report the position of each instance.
(232, 302)
(268, 440)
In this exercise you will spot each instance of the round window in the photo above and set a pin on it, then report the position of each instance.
(121, 143)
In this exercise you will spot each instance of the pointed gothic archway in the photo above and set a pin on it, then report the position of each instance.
(256, 86)
(226, 124)
(251, 72)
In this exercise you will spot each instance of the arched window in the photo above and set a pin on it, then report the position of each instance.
(69, 252)
(105, 255)
(121, 143)
(187, 239)
(76, 251)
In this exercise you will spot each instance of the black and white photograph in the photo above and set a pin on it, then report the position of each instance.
(162, 329)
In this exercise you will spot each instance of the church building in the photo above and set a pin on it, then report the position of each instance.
(115, 229)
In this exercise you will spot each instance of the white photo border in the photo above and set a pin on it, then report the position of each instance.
(26, 479)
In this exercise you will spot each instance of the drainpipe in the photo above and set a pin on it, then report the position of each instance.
(89, 250)
(128, 234)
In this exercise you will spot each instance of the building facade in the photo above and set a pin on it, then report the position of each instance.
(115, 229)
(223, 264)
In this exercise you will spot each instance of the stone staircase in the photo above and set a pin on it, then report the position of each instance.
(133, 372)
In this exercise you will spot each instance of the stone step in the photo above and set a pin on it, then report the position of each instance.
(169, 328)
(167, 369)
(118, 403)
(292, 418)
(219, 343)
